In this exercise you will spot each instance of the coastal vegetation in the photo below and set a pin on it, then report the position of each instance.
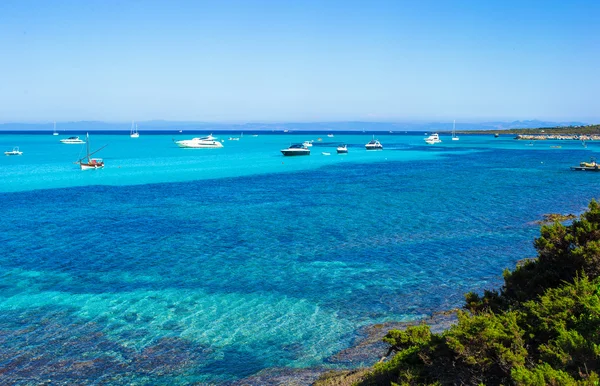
(542, 327)
(566, 130)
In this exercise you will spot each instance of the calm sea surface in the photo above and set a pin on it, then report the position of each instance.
(175, 266)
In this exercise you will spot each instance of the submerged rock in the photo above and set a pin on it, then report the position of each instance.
(550, 218)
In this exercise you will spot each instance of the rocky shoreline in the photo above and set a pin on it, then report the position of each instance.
(351, 363)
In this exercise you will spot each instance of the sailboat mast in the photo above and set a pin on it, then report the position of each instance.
(87, 144)
(454, 128)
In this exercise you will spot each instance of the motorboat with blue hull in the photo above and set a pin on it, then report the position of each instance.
(298, 149)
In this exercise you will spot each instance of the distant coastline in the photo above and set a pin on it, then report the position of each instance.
(338, 126)
(547, 132)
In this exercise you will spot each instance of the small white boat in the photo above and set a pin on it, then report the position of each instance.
(87, 163)
(72, 141)
(330, 135)
(234, 139)
(374, 145)
(209, 142)
(307, 143)
(134, 131)
(454, 137)
(342, 149)
(325, 153)
(433, 139)
(14, 151)
(55, 132)
(297, 149)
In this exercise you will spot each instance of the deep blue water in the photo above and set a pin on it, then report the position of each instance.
(211, 279)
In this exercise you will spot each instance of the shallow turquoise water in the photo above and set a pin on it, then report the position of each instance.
(178, 266)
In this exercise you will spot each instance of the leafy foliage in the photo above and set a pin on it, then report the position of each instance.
(541, 328)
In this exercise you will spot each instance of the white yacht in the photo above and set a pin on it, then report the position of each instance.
(342, 149)
(72, 141)
(374, 145)
(297, 149)
(209, 142)
(307, 143)
(433, 138)
(330, 135)
(14, 151)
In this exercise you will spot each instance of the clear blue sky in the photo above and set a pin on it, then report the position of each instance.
(299, 60)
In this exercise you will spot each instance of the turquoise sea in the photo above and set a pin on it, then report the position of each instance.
(179, 266)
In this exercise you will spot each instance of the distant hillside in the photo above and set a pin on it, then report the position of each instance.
(291, 126)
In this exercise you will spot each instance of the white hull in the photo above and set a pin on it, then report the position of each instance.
(209, 142)
(13, 153)
(196, 145)
(72, 141)
(433, 139)
(135, 135)
(91, 167)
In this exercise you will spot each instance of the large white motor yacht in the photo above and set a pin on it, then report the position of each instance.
(72, 141)
(433, 138)
(209, 142)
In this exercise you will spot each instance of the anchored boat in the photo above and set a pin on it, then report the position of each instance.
(433, 139)
(87, 162)
(209, 142)
(591, 166)
(298, 149)
(72, 141)
(374, 145)
(14, 151)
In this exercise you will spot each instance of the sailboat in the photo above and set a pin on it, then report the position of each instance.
(55, 132)
(134, 132)
(87, 162)
(454, 137)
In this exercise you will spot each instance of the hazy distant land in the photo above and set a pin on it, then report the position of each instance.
(291, 126)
